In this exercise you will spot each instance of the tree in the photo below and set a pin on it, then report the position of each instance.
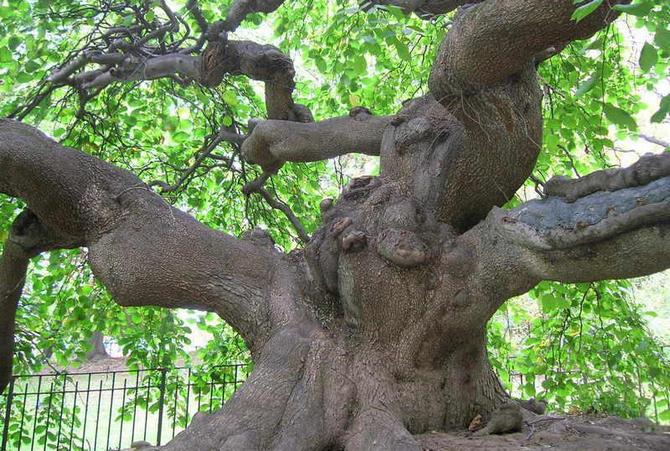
(375, 329)
(98, 350)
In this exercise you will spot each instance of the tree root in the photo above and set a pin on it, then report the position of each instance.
(378, 429)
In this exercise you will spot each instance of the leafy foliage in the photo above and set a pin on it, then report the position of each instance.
(586, 347)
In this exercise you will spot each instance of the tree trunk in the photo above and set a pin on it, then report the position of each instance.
(376, 329)
(98, 350)
(314, 389)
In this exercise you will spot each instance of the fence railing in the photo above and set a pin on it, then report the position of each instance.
(110, 410)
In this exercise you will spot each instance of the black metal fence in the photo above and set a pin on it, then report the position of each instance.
(110, 410)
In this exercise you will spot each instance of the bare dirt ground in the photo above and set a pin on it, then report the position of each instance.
(565, 433)
(107, 364)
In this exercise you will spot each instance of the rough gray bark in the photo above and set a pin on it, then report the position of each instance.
(27, 238)
(273, 142)
(425, 9)
(375, 331)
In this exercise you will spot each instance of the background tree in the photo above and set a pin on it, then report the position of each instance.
(376, 330)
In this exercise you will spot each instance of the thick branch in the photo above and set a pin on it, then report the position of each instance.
(27, 238)
(145, 251)
(272, 143)
(647, 169)
(259, 62)
(132, 69)
(497, 38)
(240, 9)
(151, 49)
(13, 267)
(603, 235)
(426, 9)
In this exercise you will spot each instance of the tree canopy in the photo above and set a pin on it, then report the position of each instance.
(603, 97)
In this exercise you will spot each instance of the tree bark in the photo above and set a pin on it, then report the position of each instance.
(375, 331)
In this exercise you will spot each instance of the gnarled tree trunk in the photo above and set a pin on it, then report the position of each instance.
(375, 331)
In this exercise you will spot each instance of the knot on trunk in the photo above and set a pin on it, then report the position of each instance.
(412, 132)
(300, 113)
(325, 205)
(360, 113)
(458, 260)
(217, 60)
(360, 188)
(33, 237)
(259, 236)
(353, 241)
(402, 247)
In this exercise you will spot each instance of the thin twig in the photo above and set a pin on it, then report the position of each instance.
(654, 140)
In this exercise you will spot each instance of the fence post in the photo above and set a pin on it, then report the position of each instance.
(161, 405)
(8, 412)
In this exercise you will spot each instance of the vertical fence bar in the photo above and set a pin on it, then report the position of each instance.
(174, 417)
(211, 392)
(123, 411)
(146, 411)
(111, 408)
(223, 388)
(161, 405)
(37, 406)
(188, 394)
(62, 407)
(74, 413)
(199, 392)
(137, 392)
(97, 417)
(88, 393)
(51, 397)
(8, 412)
(23, 414)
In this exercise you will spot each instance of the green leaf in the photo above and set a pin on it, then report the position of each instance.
(5, 55)
(587, 85)
(639, 9)
(551, 303)
(619, 116)
(230, 98)
(648, 57)
(24, 77)
(14, 42)
(403, 50)
(584, 10)
(663, 111)
(662, 39)
(358, 64)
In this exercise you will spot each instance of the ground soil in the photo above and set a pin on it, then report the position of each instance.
(565, 433)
